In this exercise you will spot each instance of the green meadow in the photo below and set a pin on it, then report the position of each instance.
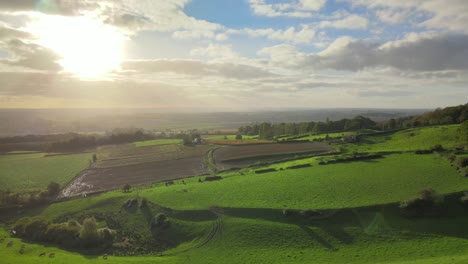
(409, 140)
(31, 172)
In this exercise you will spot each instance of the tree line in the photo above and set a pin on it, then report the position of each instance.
(446, 116)
(269, 130)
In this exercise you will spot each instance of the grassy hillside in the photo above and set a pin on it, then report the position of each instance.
(391, 179)
(409, 140)
(28, 172)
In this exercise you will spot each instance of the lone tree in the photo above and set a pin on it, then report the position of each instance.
(126, 187)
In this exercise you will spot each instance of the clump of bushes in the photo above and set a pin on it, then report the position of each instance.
(213, 178)
(462, 162)
(298, 166)
(265, 170)
(428, 203)
(70, 234)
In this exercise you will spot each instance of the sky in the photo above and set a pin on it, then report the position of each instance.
(233, 55)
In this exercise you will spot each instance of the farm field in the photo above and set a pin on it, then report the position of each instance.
(27, 172)
(157, 142)
(128, 164)
(242, 156)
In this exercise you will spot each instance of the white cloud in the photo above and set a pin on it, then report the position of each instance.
(436, 14)
(304, 35)
(300, 8)
(349, 22)
(215, 51)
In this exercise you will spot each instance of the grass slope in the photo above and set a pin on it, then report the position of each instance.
(409, 140)
(29, 172)
(391, 179)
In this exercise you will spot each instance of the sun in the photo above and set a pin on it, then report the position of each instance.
(88, 48)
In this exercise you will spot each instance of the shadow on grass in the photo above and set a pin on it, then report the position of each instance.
(318, 238)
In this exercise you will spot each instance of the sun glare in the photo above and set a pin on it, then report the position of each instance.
(88, 48)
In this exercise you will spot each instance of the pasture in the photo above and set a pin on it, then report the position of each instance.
(390, 179)
(24, 172)
(408, 140)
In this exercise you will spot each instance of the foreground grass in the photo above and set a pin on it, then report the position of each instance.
(390, 179)
(157, 142)
(264, 238)
(30, 172)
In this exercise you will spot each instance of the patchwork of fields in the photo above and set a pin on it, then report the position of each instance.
(240, 219)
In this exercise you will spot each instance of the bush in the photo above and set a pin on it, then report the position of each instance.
(89, 233)
(462, 162)
(63, 234)
(53, 189)
(298, 166)
(36, 228)
(239, 137)
(20, 226)
(437, 148)
(213, 178)
(106, 236)
(265, 170)
(160, 221)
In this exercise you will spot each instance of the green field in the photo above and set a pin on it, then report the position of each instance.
(330, 186)
(157, 142)
(30, 172)
(409, 140)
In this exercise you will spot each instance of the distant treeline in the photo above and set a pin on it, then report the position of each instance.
(268, 130)
(449, 115)
(446, 116)
(77, 142)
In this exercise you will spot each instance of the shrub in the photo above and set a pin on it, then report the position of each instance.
(462, 162)
(144, 202)
(89, 233)
(20, 226)
(239, 137)
(437, 147)
(106, 236)
(212, 178)
(53, 189)
(126, 187)
(36, 228)
(160, 221)
(62, 234)
(265, 170)
(298, 166)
